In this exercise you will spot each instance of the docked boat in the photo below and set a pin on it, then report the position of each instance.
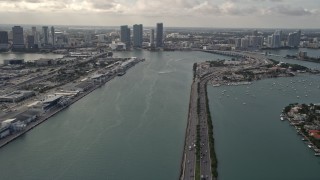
(317, 154)
(281, 118)
(121, 73)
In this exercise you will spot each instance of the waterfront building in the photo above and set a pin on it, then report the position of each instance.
(255, 41)
(35, 35)
(51, 101)
(269, 41)
(237, 42)
(4, 131)
(16, 96)
(276, 40)
(152, 38)
(45, 35)
(125, 35)
(244, 43)
(137, 35)
(13, 61)
(159, 35)
(4, 40)
(61, 39)
(30, 42)
(53, 36)
(119, 46)
(18, 38)
(294, 39)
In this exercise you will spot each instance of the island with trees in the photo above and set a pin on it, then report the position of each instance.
(306, 120)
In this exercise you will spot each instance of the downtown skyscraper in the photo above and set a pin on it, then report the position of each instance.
(137, 35)
(152, 38)
(53, 36)
(45, 35)
(125, 35)
(294, 39)
(18, 38)
(159, 35)
(4, 40)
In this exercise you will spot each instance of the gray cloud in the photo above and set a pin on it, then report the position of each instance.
(163, 8)
(290, 11)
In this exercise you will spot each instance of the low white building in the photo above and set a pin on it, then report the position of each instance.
(119, 46)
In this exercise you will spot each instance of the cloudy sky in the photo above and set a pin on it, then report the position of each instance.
(174, 13)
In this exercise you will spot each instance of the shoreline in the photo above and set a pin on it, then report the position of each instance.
(55, 111)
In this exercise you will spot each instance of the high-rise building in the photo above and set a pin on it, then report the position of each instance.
(87, 38)
(152, 38)
(125, 35)
(294, 39)
(18, 38)
(30, 41)
(244, 43)
(35, 35)
(269, 42)
(137, 35)
(291, 39)
(45, 35)
(237, 43)
(3, 40)
(52, 36)
(159, 35)
(275, 39)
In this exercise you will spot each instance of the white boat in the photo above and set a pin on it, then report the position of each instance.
(281, 118)
(317, 154)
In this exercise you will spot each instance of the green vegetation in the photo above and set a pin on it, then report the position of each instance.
(247, 74)
(288, 108)
(194, 70)
(297, 67)
(294, 67)
(312, 118)
(213, 156)
(274, 61)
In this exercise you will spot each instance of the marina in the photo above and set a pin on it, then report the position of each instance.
(268, 134)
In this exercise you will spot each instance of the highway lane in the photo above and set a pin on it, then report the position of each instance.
(205, 160)
(194, 119)
(190, 150)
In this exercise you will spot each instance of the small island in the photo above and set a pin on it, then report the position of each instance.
(306, 120)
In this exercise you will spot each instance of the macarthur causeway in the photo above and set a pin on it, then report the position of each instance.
(199, 159)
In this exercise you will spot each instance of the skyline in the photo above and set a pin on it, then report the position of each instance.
(176, 13)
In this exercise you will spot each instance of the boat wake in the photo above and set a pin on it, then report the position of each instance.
(165, 72)
(179, 60)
